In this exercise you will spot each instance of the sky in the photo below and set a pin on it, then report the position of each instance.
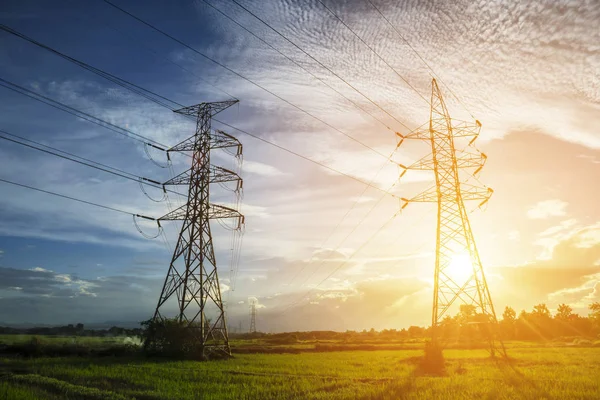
(527, 70)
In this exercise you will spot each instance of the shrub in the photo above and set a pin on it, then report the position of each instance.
(173, 338)
(433, 360)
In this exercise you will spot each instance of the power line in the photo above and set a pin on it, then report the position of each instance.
(244, 77)
(167, 59)
(314, 76)
(307, 159)
(76, 199)
(87, 162)
(127, 85)
(298, 65)
(272, 47)
(319, 62)
(382, 227)
(419, 55)
(121, 82)
(363, 219)
(373, 51)
(80, 114)
(340, 223)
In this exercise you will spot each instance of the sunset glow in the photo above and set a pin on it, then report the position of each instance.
(460, 268)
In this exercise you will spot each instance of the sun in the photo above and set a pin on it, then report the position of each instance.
(460, 268)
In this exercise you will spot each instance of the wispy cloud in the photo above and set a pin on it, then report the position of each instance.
(547, 209)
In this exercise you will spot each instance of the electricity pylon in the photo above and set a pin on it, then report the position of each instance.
(459, 274)
(192, 278)
(253, 317)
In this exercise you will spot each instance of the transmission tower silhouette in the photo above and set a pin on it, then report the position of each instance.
(458, 276)
(192, 279)
(252, 317)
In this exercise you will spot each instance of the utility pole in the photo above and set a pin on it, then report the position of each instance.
(458, 276)
(192, 282)
(252, 317)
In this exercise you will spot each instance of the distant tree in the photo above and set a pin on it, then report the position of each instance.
(509, 315)
(466, 312)
(595, 310)
(594, 316)
(538, 324)
(466, 318)
(524, 327)
(507, 325)
(541, 310)
(564, 312)
(415, 331)
(449, 327)
(115, 330)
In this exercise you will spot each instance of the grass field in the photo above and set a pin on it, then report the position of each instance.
(533, 373)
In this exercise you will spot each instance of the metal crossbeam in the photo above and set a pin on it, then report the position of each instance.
(217, 175)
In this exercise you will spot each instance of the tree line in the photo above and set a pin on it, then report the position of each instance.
(537, 324)
(467, 325)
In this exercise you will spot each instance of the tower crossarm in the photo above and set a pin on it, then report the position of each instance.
(218, 140)
(460, 128)
(211, 109)
(215, 211)
(221, 140)
(463, 160)
(471, 160)
(468, 192)
(428, 196)
(217, 174)
(471, 192)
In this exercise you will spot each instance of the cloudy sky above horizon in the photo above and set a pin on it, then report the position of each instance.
(527, 70)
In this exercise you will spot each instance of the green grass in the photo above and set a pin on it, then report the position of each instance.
(69, 340)
(534, 373)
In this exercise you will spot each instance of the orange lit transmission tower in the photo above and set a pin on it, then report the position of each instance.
(459, 276)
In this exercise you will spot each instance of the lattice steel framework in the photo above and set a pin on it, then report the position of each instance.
(253, 317)
(455, 241)
(192, 277)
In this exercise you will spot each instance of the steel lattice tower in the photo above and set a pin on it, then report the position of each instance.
(459, 274)
(253, 317)
(192, 278)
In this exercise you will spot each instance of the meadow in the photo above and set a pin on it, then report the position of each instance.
(535, 371)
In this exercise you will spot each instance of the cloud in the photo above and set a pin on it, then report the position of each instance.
(46, 297)
(578, 297)
(548, 208)
(254, 167)
(255, 300)
(379, 303)
(563, 226)
(569, 275)
(41, 282)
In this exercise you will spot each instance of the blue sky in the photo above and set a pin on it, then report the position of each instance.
(528, 71)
